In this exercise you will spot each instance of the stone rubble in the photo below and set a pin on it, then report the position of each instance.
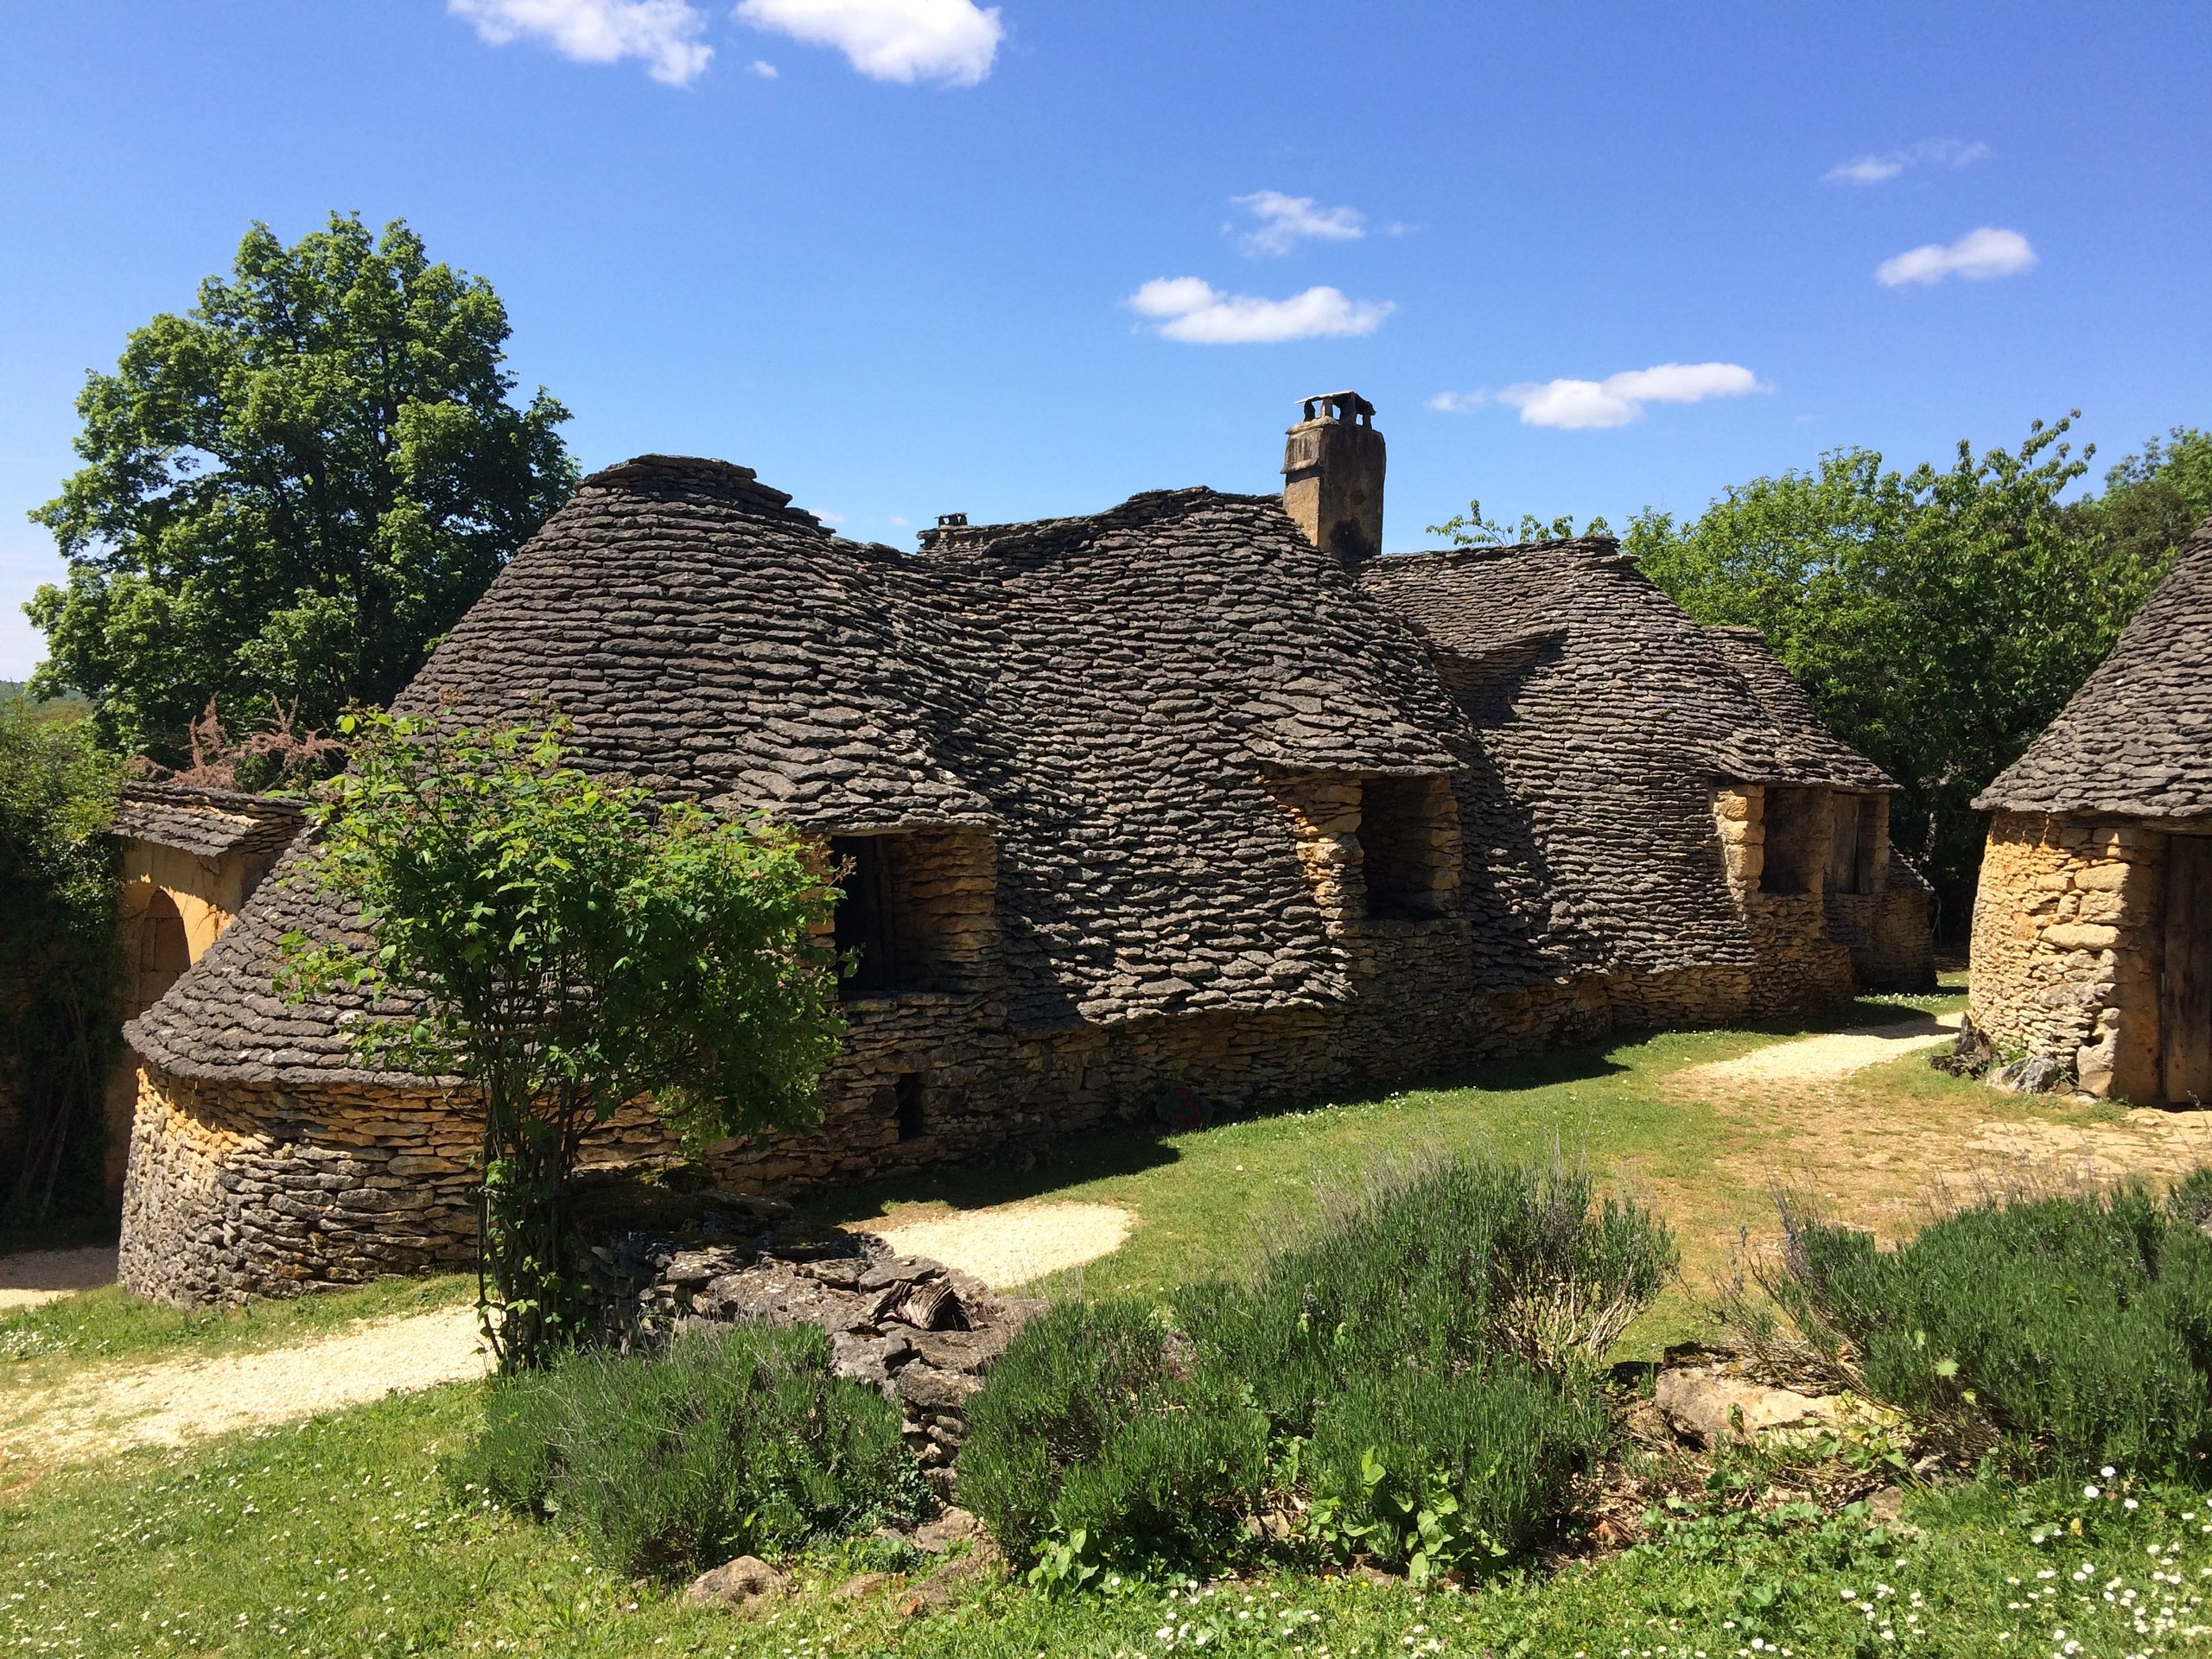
(919, 1332)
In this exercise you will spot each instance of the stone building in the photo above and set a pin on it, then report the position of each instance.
(2092, 922)
(1195, 799)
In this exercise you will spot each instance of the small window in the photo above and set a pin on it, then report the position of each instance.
(906, 1107)
(1408, 842)
(1797, 840)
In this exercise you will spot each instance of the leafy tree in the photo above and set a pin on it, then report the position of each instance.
(1940, 620)
(58, 954)
(1470, 529)
(566, 944)
(291, 490)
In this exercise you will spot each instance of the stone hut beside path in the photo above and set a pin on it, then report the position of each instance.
(2093, 921)
(1195, 800)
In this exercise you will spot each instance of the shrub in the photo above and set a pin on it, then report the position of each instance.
(2191, 1202)
(740, 1441)
(1092, 1422)
(2065, 1330)
(1444, 1329)
(1439, 1267)
(1453, 1470)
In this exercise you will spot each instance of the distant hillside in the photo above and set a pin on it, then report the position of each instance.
(12, 692)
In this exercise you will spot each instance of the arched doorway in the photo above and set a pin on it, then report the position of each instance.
(160, 952)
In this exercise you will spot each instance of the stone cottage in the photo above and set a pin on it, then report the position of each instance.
(1198, 799)
(2092, 922)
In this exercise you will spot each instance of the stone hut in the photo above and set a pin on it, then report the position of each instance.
(1195, 801)
(2092, 922)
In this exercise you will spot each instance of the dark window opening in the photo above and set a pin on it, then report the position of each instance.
(1856, 829)
(1406, 844)
(1797, 840)
(863, 918)
(906, 1107)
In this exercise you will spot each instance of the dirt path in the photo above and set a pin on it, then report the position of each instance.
(1858, 1123)
(1008, 1244)
(38, 1276)
(110, 1408)
(1835, 1054)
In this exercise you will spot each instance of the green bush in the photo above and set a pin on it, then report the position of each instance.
(1439, 1267)
(1090, 1423)
(2191, 1202)
(1462, 1469)
(738, 1442)
(1445, 1329)
(2067, 1332)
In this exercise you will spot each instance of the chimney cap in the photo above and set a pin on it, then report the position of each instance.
(1341, 406)
(950, 520)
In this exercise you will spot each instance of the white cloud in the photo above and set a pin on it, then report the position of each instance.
(1979, 255)
(951, 40)
(1930, 152)
(763, 68)
(665, 33)
(1619, 398)
(1192, 310)
(1456, 403)
(1281, 222)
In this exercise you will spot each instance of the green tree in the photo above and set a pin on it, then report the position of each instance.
(1470, 529)
(292, 490)
(59, 953)
(566, 944)
(1939, 619)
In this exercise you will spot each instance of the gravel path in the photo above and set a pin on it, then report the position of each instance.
(1008, 1245)
(110, 1408)
(1837, 1054)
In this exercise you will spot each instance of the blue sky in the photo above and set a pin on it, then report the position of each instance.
(906, 256)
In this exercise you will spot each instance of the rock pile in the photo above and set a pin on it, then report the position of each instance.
(921, 1332)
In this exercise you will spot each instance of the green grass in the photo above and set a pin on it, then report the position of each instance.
(1209, 1202)
(93, 1326)
(339, 1537)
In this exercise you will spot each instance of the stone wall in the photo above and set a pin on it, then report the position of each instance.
(1780, 890)
(2067, 947)
(237, 1189)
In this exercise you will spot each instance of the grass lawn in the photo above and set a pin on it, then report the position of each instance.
(340, 1536)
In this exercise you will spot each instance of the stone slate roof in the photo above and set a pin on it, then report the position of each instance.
(1606, 715)
(208, 822)
(2136, 740)
(1108, 695)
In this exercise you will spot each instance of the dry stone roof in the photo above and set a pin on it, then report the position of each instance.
(2136, 740)
(1110, 697)
(208, 822)
(1604, 716)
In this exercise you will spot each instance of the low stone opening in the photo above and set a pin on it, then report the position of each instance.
(1408, 841)
(906, 1107)
(1797, 849)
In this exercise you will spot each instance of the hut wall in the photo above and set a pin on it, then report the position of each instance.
(238, 1189)
(2067, 947)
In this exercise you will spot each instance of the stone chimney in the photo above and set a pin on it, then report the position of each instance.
(1333, 476)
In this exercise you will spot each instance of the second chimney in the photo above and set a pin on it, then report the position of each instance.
(1333, 476)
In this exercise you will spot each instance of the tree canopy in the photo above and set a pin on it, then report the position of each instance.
(568, 944)
(1940, 619)
(291, 490)
(59, 953)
